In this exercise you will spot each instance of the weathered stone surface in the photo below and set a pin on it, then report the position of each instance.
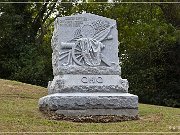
(88, 83)
(87, 89)
(83, 101)
(84, 70)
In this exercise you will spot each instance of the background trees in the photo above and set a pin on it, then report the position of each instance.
(149, 44)
(20, 55)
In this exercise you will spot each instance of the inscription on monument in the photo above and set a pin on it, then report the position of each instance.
(92, 80)
(72, 21)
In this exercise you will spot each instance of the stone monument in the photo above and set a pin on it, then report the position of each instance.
(87, 84)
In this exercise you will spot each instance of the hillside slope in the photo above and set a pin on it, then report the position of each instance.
(19, 113)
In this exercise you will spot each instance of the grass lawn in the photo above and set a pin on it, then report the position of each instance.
(19, 113)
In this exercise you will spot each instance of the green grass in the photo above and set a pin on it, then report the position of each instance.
(19, 113)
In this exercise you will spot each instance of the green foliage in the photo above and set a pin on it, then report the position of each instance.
(21, 59)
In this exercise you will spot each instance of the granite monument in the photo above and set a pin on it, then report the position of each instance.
(87, 77)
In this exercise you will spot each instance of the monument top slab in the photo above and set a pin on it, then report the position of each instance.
(86, 40)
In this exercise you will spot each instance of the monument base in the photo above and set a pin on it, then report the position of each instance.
(92, 107)
(54, 115)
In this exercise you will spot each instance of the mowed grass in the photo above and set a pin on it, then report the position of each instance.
(19, 113)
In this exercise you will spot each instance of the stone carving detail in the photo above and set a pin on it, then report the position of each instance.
(85, 48)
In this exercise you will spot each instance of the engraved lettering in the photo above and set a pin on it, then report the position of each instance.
(99, 80)
(84, 80)
(72, 21)
(92, 80)
(70, 18)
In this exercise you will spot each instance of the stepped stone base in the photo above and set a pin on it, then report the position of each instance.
(101, 112)
(121, 106)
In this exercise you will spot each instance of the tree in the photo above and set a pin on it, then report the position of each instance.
(20, 57)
